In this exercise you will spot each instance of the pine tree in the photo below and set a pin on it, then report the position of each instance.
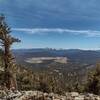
(6, 41)
(93, 82)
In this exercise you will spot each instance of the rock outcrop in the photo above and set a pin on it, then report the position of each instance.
(37, 95)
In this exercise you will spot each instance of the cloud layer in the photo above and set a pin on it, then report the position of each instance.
(76, 14)
(89, 33)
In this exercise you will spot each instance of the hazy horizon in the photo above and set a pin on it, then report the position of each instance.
(56, 49)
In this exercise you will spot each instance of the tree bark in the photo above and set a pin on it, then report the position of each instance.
(10, 76)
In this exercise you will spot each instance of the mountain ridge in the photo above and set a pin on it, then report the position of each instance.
(74, 55)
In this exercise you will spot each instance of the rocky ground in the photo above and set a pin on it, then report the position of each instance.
(37, 95)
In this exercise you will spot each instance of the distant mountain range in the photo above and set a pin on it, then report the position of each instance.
(79, 62)
(73, 55)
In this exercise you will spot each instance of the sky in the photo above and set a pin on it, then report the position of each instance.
(66, 24)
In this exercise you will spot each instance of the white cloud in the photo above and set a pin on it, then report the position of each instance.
(89, 33)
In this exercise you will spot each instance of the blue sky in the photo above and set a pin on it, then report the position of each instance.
(69, 24)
